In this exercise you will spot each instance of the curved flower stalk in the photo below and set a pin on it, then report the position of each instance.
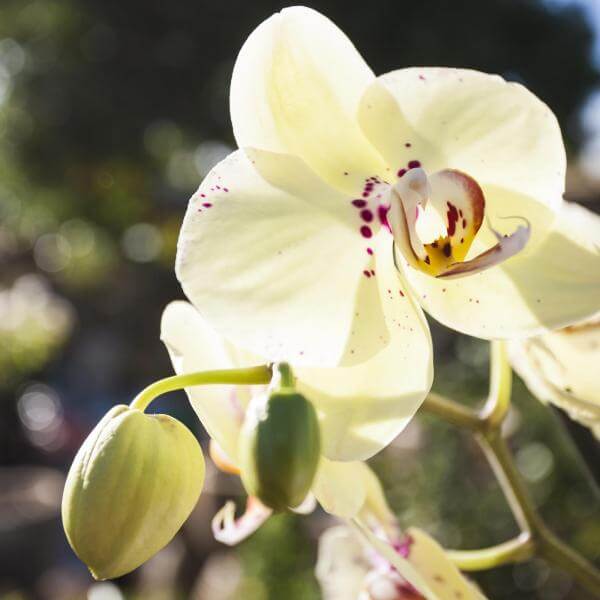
(374, 560)
(286, 247)
(193, 345)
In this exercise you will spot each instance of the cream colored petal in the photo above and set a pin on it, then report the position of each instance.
(341, 564)
(275, 260)
(438, 571)
(497, 132)
(231, 531)
(296, 87)
(194, 346)
(340, 487)
(555, 284)
(368, 401)
(561, 367)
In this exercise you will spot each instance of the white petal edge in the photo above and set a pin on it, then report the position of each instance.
(275, 262)
(365, 405)
(561, 367)
(497, 132)
(194, 346)
(296, 86)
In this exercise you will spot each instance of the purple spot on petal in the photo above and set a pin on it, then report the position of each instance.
(366, 215)
(359, 203)
(414, 164)
(366, 232)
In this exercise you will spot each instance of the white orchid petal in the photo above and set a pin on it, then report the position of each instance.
(194, 346)
(341, 564)
(231, 531)
(497, 132)
(403, 565)
(363, 406)
(276, 266)
(296, 87)
(561, 367)
(307, 506)
(555, 284)
(440, 573)
(340, 487)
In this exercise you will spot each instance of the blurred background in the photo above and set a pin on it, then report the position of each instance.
(111, 113)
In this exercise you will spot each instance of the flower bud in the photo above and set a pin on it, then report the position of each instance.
(133, 483)
(279, 448)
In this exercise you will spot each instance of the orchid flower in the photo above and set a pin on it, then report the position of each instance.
(340, 487)
(346, 489)
(288, 246)
(561, 366)
(375, 560)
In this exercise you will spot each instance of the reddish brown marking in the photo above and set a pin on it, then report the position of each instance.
(452, 216)
(447, 249)
(366, 232)
(366, 273)
(359, 203)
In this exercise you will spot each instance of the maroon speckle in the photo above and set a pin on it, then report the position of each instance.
(370, 251)
(422, 77)
(462, 240)
(427, 260)
(403, 548)
(366, 232)
(434, 244)
(225, 189)
(464, 223)
(401, 172)
(207, 204)
(202, 195)
(345, 172)
(218, 187)
(372, 272)
(366, 215)
(447, 249)
(382, 212)
(460, 213)
(366, 273)
(414, 164)
(452, 216)
(365, 194)
(408, 145)
(359, 203)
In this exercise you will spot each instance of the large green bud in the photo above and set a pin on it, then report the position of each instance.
(133, 483)
(279, 447)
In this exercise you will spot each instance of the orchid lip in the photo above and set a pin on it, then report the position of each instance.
(456, 201)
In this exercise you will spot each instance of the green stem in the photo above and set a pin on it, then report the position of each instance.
(247, 376)
(498, 402)
(515, 492)
(486, 426)
(452, 412)
(516, 550)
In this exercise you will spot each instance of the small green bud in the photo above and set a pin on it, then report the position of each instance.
(279, 448)
(133, 483)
